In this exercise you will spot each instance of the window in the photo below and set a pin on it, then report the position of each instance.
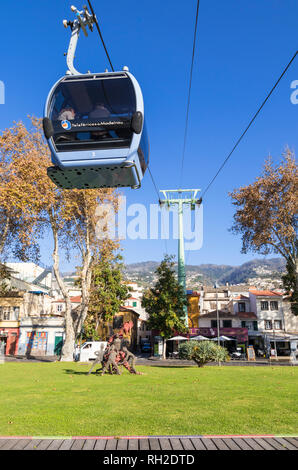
(227, 323)
(213, 323)
(6, 313)
(277, 325)
(16, 312)
(96, 113)
(118, 322)
(248, 324)
(134, 304)
(241, 307)
(268, 325)
(59, 308)
(264, 305)
(273, 305)
(255, 325)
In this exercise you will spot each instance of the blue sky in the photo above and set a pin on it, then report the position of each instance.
(242, 48)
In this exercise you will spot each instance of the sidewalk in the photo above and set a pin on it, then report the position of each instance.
(153, 361)
(152, 443)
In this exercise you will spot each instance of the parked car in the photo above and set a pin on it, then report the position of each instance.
(87, 352)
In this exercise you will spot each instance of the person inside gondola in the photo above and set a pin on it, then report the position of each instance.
(100, 111)
(67, 113)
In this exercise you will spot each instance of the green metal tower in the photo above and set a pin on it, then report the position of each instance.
(180, 198)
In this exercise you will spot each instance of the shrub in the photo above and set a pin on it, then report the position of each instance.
(202, 352)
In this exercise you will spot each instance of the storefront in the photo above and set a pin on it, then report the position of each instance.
(283, 344)
(41, 336)
(9, 338)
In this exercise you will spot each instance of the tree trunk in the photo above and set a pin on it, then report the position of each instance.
(67, 354)
(164, 355)
(4, 235)
(86, 277)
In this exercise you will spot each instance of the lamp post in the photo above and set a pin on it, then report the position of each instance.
(217, 316)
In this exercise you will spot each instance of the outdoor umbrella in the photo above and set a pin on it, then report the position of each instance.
(177, 338)
(200, 338)
(222, 338)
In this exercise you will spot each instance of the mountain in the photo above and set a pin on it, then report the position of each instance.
(262, 273)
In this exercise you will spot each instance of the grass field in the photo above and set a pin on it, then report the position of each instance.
(58, 399)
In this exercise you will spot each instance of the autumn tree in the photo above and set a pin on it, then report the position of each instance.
(70, 215)
(19, 198)
(266, 216)
(107, 293)
(165, 302)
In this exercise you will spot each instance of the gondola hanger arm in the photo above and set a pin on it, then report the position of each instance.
(83, 20)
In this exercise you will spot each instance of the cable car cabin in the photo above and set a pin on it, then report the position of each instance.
(96, 132)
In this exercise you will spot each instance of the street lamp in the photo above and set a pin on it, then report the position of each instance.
(217, 316)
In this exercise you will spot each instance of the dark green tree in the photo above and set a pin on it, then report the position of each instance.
(108, 293)
(165, 301)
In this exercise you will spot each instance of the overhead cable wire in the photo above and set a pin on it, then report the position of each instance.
(100, 34)
(250, 123)
(189, 90)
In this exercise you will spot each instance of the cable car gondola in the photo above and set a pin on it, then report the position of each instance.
(95, 128)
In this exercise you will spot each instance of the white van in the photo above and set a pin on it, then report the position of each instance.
(87, 351)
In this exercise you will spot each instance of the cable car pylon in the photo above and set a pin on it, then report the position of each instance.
(181, 198)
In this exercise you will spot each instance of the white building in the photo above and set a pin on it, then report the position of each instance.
(59, 305)
(39, 277)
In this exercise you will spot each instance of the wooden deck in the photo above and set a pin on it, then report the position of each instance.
(165, 443)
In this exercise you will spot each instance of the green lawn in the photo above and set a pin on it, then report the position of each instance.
(58, 399)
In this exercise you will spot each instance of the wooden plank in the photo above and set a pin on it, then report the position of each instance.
(274, 443)
(198, 443)
(3, 442)
(144, 444)
(154, 443)
(122, 444)
(21, 444)
(293, 441)
(111, 444)
(220, 444)
(241, 443)
(89, 444)
(176, 444)
(285, 443)
(187, 444)
(133, 444)
(231, 444)
(266, 445)
(9, 444)
(209, 443)
(32, 444)
(66, 444)
(55, 445)
(164, 443)
(253, 444)
(44, 444)
(100, 444)
(78, 444)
